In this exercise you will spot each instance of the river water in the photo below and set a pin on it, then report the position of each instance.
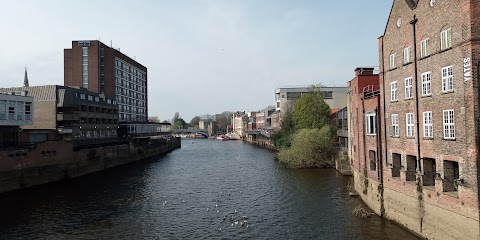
(187, 193)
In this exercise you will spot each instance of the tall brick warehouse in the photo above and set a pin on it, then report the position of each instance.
(105, 70)
(429, 57)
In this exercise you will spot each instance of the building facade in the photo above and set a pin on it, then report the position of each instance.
(428, 178)
(105, 70)
(75, 113)
(335, 97)
(16, 110)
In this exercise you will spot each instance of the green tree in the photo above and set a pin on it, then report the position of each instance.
(194, 122)
(310, 148)
(178, 122)
(283, 138)
(311, 111)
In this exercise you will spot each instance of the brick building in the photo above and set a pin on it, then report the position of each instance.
(429, 57)
(107, 71)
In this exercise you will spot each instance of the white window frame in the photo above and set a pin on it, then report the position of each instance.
(407, 55)
(428, 124)
(424, 48)
(408, 88)
(394, 91)
(447, 79)
(392, 61)
(426, 84)
(369, 117)
(449, 124)
(410, 125)
(446, 39)
(395, 121)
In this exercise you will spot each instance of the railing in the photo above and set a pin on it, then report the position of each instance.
(79, 144)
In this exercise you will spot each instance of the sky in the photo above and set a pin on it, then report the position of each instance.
(203, 56)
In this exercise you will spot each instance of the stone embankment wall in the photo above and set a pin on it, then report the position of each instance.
(56, 161)
(429, 213)
(260, 140)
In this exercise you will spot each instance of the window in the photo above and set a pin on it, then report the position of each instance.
(11, 110)
(451, 174)
(392, 61)
(426, 84)
(448, 124)
(446, 39)
(20, 110)
(429, 172)
(447, 79)
(427, 125)
(424, 48)
(373, 160)
(393, 91)
(410, 174)
(90, 98)
(408, 88)
(370, 123)
(97, 99)
(82, 96)
(406, 55)
(3, 110)
(396, 164)
(85, 67)
(395, 129)
(409, 124)
(327, 95)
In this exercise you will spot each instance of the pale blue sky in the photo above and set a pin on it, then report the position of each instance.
(203, 56)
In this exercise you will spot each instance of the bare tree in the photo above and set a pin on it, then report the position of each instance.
(153, 119)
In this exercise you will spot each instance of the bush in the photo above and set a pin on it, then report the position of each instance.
(310, 148)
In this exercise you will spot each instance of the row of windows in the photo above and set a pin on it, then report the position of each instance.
(15, 110)
(445, 43)
(128, 68)
(130, 109)
(447, 84)
(85, 67)
(448, 124)
(451, 171)
(298, 95)
(132, 117)
(95, 98)
(95, 134)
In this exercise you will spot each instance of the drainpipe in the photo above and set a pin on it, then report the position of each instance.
(414, 22)
(364, 138)
(379, 143)
(382, 205)
(478, 130)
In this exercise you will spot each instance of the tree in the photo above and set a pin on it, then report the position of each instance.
(283, 138)
(223, 119)
(311, 111)
(310, 148)
(178, 122)
(195, 121)
(153, 119)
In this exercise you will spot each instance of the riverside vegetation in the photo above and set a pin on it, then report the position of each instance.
(307, 137)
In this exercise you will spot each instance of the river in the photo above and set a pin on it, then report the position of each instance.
(186, 195)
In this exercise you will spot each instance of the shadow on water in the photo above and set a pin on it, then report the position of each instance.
(168, 198)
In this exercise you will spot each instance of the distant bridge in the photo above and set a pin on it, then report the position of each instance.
(204, 132)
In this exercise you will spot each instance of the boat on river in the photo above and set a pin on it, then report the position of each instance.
(224, 138)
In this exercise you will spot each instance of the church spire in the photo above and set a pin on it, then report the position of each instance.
(25, 79)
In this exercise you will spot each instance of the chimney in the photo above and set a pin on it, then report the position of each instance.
(362, 71)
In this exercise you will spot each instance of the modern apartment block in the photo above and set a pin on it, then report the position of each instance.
(102, 69)
(428, 134)
(75, 113)
(335, 97)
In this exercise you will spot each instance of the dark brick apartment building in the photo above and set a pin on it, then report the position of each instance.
(107, 71)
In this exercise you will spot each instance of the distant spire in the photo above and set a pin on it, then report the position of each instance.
(25, 79)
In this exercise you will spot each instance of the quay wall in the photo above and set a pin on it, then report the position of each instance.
(421, 210)
(259, 140)
(57, 161)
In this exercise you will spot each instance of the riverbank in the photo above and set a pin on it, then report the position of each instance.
(54, 161)
(260, 140)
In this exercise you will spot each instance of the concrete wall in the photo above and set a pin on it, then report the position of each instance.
(56, 161)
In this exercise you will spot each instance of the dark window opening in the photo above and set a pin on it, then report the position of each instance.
(411, 168)
(429, 172)
(451, 176)
(397, 163)
(373, 160)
